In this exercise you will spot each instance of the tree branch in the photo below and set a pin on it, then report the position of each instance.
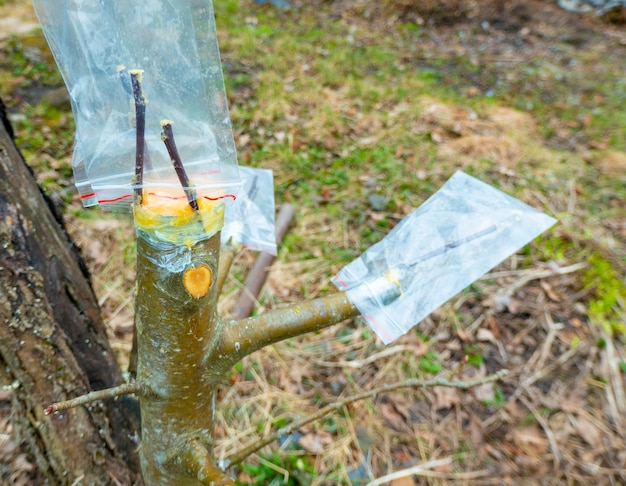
(125, 389)
(240, 338)
(426, 469)
(240, 455)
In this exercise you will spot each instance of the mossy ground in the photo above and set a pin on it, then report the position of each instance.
(363, 109)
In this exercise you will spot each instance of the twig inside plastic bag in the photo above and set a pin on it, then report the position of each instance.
(140, 123)
(462, 231)
(450, 246)
(389, 287)
(167, 136)
(253, 188)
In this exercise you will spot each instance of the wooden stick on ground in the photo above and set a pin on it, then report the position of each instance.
(258, 274)
(261, 442)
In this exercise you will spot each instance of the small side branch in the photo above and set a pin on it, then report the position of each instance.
(125, 389)
(167, 136)
(240, 455)
(245, 336)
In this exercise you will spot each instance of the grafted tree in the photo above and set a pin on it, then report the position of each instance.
(54, 346)
(53, 343)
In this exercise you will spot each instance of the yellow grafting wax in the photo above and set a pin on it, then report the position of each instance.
(166, 211)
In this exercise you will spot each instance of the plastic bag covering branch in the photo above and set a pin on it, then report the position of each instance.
(249, 221)
(461, 232)
(96, 43)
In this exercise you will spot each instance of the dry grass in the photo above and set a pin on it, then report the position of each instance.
(560, 417)
(431, 11)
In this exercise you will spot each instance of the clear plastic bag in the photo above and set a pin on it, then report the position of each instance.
(461, 232)
(249, 221)
(97, 44)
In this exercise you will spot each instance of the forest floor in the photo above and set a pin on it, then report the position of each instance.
(363, 109)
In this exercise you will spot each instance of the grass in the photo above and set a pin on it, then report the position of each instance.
(608, 295)
(361, 120)
(279, 469)
(27, 64)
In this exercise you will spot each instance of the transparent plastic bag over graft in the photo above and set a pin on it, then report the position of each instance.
(249, 221)
(461, 232)
(171, 46)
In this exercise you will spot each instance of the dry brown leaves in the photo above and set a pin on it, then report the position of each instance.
(554, 421)
(16, 468)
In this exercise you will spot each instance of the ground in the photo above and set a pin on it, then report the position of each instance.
(363, 109)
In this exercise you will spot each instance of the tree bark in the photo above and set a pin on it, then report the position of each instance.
(53, 341)
(177, 330)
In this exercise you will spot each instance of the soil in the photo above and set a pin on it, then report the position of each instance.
(558, 417)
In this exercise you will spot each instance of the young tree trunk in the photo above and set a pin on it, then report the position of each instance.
(53, 342)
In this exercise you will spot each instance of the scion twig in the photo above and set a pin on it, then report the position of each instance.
(240, 455)
(125, 389)
(140, 124)
(167, 135)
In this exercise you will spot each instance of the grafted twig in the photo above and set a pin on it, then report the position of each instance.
(240, 455)
(125, 389)
(140, 124)
(167, 136)
(227, 255)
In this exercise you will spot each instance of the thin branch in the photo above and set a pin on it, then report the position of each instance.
(140, 124)
(415, 470)
(125, 389)
(424, 469)
(167, 135)
(614, 389)
(240, 455)
(539, 374)
(526, 276)
(359, 363)
(556, 454)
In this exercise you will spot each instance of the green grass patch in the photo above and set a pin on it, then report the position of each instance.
(607, 304)
(430, 363)
(280, 469)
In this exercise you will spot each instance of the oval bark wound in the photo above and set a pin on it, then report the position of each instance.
(197, 281)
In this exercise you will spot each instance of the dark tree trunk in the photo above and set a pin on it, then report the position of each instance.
(53, 342)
